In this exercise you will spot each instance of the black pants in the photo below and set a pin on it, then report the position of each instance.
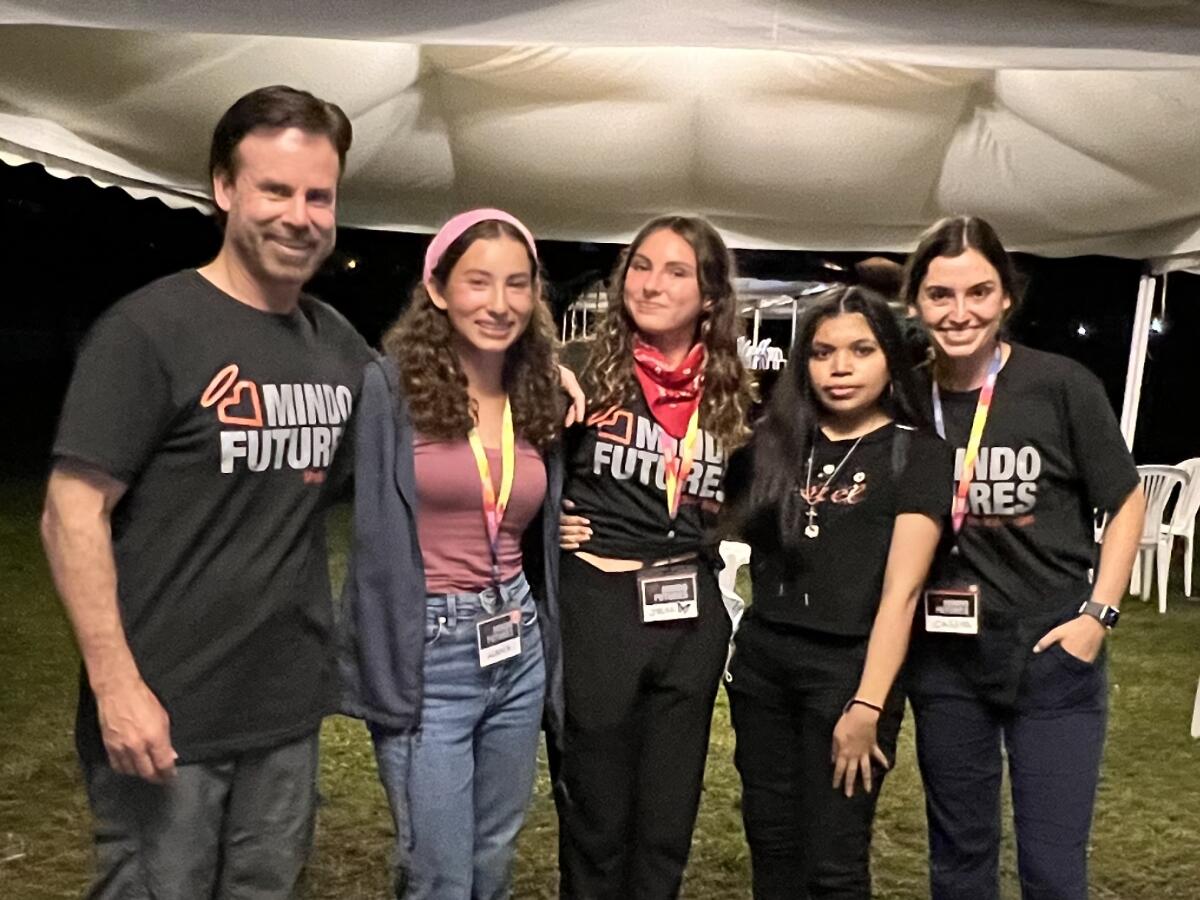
(786, 694)
(639, 702)
(1054, 738)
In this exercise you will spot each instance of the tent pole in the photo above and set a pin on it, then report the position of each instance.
(757, 319)
(1138, 344)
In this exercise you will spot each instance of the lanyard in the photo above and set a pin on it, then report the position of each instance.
(493, 507)
(677, 468)
(959, 513)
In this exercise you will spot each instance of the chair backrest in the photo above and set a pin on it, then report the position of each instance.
(1189, 498)
(1158, 483)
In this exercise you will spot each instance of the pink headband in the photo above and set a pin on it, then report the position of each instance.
(453, 230)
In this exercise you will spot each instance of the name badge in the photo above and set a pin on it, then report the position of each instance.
(952, 610)
(499, 638)
(668, 593)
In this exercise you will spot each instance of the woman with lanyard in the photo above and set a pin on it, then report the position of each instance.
(447, 651)
(645, 632)
(842, 500)
(1009, 650)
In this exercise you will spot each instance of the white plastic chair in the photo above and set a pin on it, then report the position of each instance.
(1158, 483)
(1196, 715)
(1183, 520)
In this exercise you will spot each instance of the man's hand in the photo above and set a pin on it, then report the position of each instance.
(573, 530)
(854, 745)
(1082, 637)
(570, 386)
(136, 732)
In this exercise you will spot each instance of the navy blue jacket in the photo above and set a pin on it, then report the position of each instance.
(381, 632)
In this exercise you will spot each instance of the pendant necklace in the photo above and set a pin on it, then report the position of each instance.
(812, 529)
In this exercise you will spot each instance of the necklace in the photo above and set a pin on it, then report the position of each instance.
(812, 529)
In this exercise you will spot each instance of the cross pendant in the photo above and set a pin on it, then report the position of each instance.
(812, 529)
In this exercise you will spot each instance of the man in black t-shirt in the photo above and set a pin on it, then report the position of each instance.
(183, 524)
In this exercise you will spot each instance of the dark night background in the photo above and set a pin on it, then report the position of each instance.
(70, 249)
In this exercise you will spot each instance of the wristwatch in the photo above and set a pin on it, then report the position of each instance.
(1105, 615)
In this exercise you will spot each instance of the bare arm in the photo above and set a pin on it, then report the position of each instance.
(77, 536)
(1120, 546)
(914, 541)
(1083, 635)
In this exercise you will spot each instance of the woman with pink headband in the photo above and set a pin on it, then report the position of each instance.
(447, 651)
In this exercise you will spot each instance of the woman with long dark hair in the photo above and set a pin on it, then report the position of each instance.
(1008, 658)
(448, 650)
(842, 498)
(644, 629)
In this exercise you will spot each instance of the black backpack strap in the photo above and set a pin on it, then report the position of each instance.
(900, 447)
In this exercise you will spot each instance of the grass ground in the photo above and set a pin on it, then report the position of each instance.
(1144, 844)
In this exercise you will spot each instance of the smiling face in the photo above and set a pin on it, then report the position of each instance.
(847, 367)
(280, 205)
(962, 302)
(662, 288)
(488, 295)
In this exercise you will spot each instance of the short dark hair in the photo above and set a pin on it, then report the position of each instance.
(277, 106)
(952, 237)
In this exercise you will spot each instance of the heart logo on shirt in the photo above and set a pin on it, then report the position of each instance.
(228, 411)
(615, 425)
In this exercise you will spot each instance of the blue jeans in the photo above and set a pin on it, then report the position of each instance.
(460, 786)
(1054, 738)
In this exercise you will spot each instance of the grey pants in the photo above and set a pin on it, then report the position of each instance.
(235, 828)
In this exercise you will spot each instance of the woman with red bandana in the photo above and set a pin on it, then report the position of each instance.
(644, 629)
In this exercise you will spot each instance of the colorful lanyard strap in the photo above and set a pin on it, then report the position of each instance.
(959, 512)
(493, 507)
(677, 468)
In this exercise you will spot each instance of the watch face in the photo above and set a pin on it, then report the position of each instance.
(1110, 616)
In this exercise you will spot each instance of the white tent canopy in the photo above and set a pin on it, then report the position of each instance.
(819, 124)
(842, 124)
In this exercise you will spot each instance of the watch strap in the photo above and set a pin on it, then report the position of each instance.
(1104, 614)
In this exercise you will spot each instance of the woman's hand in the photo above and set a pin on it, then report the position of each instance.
(1082, 637)
(570, 386)
(573, 530)
(854, 747)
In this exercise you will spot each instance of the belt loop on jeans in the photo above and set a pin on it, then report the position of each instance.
(451, 611)
(490, 599)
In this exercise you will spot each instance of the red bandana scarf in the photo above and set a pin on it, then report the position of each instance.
(672, 394)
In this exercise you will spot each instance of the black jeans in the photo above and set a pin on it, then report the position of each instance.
(1054, 739)
(639, 702)
(786, 694)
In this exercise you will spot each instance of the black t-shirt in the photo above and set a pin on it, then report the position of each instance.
(1051, 453)
(222, 421)
(832, 583)
(615, 476)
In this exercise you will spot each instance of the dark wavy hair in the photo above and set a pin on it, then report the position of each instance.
(434, 383)
(609, 378)
(783, 437)
(952, 237)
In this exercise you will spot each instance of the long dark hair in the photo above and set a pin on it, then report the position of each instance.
(728, 392)
(433, 379)
(783, 437)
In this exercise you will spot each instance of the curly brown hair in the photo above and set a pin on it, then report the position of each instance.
(609, 379)
(420, 342)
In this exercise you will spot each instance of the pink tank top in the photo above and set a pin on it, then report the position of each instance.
(450, 526)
